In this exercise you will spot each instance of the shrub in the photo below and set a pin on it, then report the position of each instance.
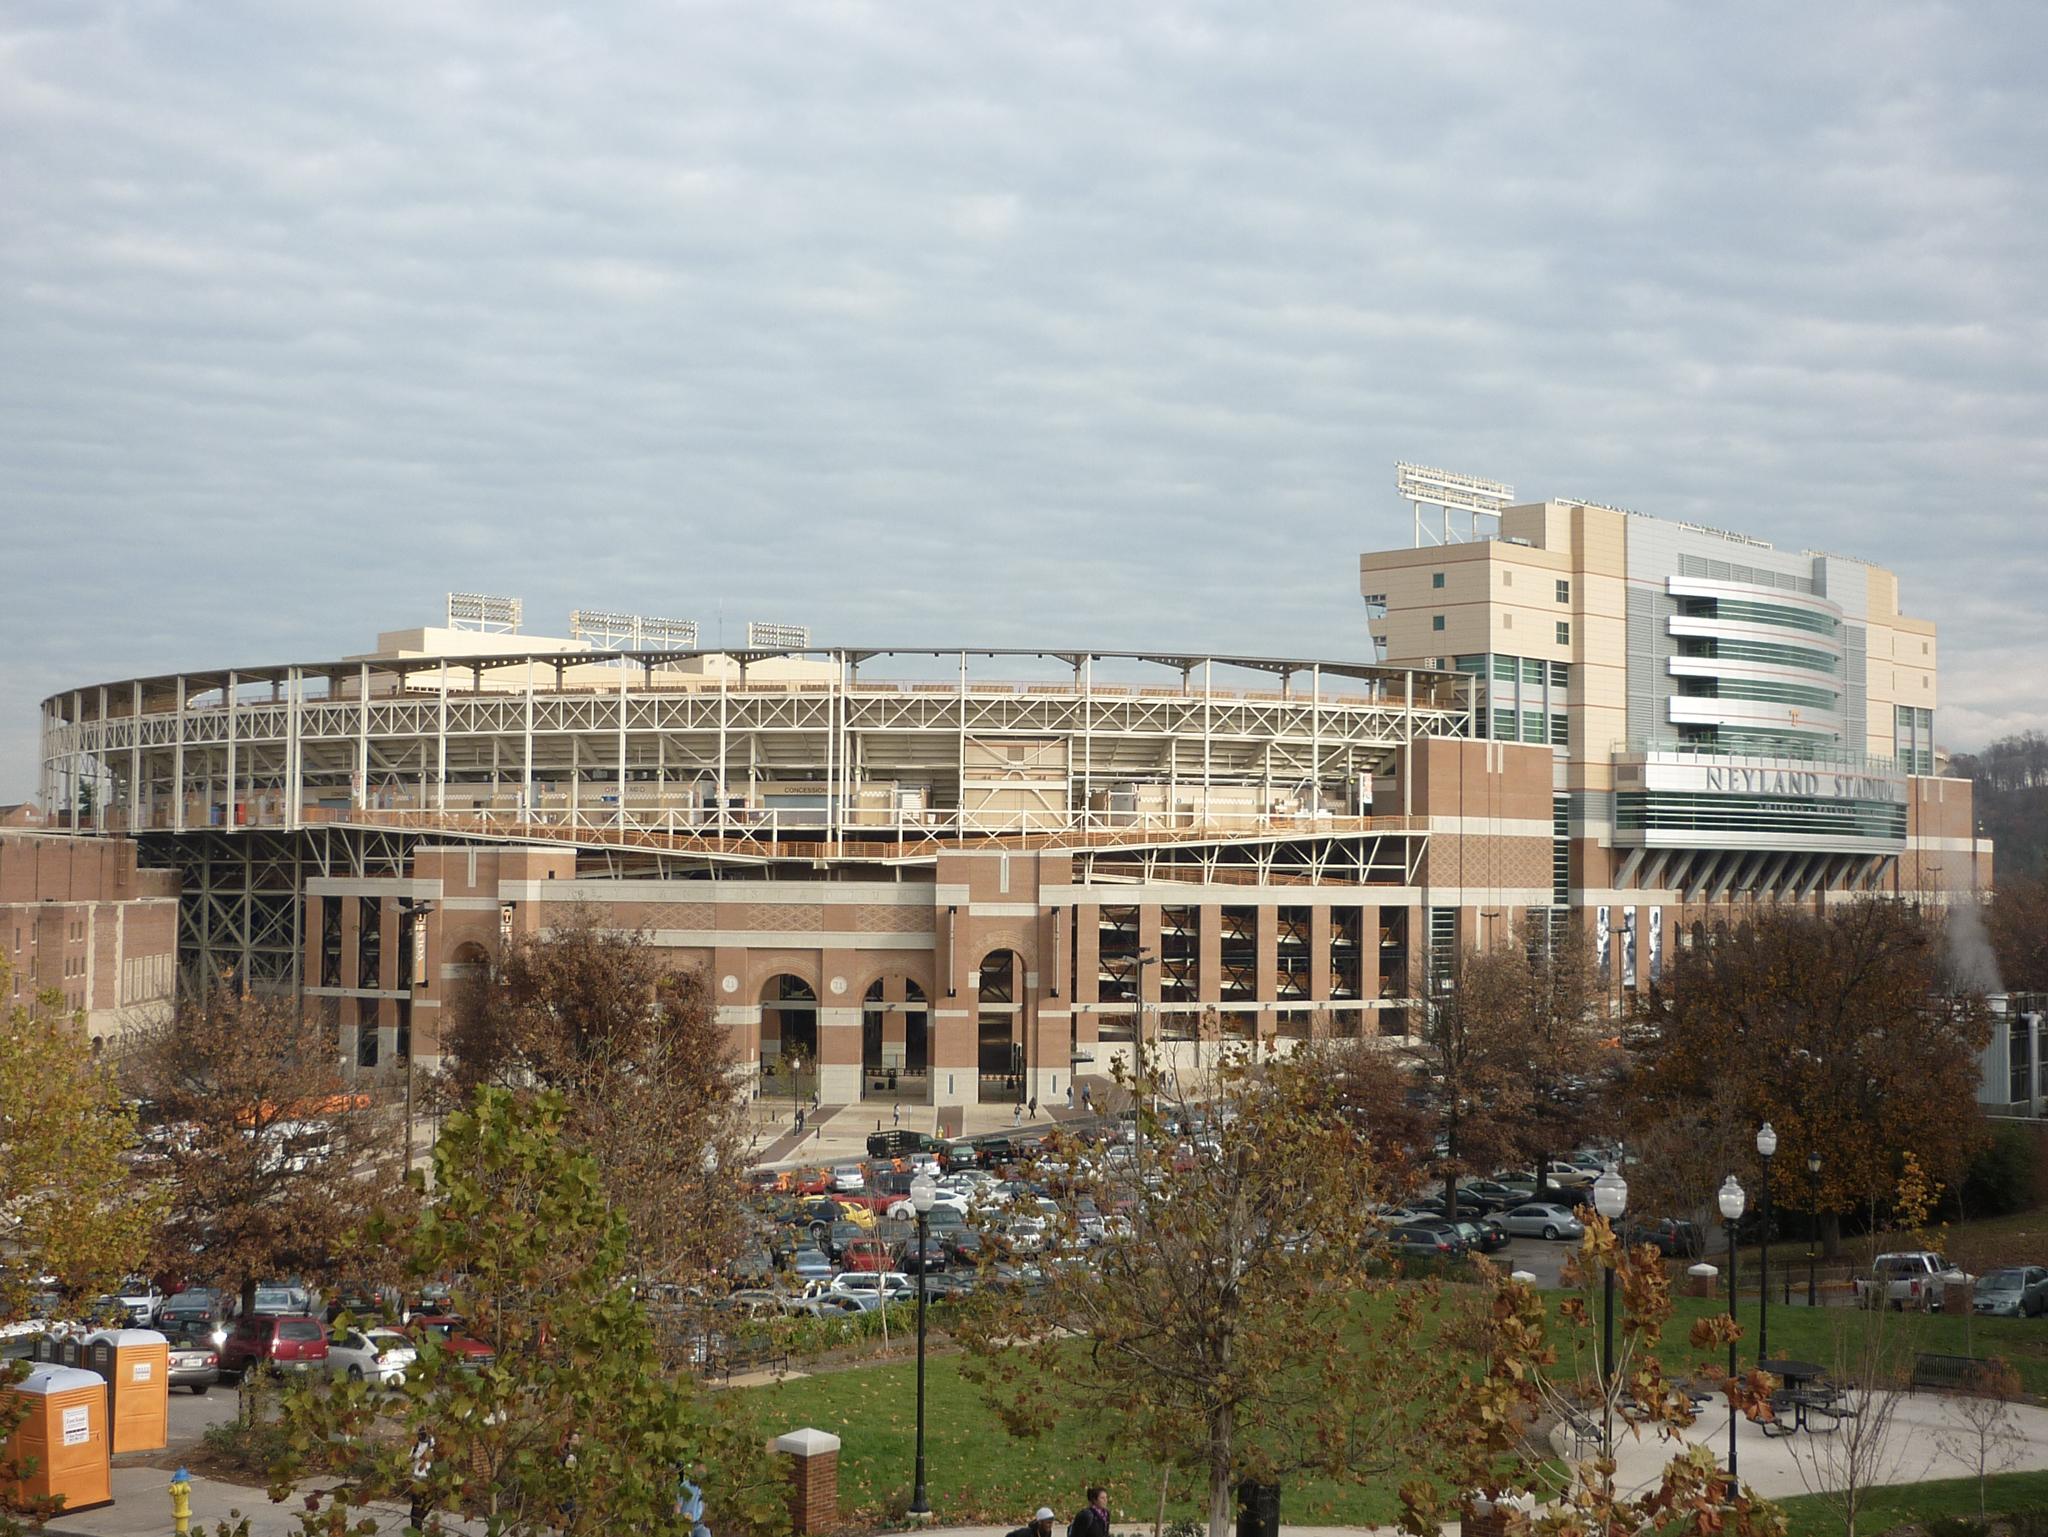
(2005, 1176)
(2028, 1521)
(1957, 1526)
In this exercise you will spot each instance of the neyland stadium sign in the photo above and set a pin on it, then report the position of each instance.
(1802, 781)
(1827, 784)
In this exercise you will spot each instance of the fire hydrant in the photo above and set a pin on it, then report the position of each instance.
(181, 1503)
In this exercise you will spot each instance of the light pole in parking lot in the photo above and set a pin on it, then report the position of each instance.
(1813, 1238)
(1766, 1148)
(924, 1191)
(1732, 1201)
(1610, 1199)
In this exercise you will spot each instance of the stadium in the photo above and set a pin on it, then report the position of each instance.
(963, 876)
(934, 876)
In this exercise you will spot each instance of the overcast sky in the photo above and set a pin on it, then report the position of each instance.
(1097, 324)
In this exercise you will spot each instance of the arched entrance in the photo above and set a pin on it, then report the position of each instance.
(789, 1037)
(998, 1021)
(895, 1041)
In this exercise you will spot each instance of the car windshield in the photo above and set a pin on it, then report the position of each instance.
(2001, 1281)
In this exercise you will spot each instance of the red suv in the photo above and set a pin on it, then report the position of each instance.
(449, 1332)
(288, 1342)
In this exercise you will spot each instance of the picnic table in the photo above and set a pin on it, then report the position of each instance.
(1805, 1402)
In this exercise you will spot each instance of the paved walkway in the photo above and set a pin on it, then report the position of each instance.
(1926, 1441)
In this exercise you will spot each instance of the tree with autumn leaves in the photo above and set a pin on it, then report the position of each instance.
(271, 1156)
(68, 1207)
(1840, 1031)
(1234, 1319)
(644, 1070)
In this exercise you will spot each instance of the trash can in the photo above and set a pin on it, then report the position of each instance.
(65, 1432)
(1258, 1509)
(136, 1364)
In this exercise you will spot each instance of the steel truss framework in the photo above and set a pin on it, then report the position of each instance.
(744, 767)
(241, 908)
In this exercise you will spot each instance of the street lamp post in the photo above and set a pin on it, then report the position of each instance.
(1813, 1239)
(1610, 1199)
(1732, 1202)
(1766, 1147)
(924, 1191)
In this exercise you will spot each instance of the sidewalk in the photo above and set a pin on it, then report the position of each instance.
(142, 1508)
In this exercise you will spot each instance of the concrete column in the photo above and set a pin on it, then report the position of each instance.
(838, 1054)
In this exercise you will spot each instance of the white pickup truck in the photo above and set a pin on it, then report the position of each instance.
(1912, 1279)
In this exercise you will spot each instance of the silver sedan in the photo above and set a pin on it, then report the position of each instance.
(1537, 1219)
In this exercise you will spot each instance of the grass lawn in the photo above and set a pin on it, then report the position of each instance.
(977, 1472)
(1891, 1506)
(1808, 1334)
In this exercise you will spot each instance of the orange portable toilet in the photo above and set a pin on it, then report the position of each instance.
(66, 1433)
(137, 1366)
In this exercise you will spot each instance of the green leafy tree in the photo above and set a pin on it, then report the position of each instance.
(1230, 1322)
(573, 1428)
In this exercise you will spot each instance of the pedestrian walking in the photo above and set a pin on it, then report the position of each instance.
(1070, 1096)
(1017, 1113)
(1087, 1098)
(1040, 1524)
(1092, 1519)
(899, 1114)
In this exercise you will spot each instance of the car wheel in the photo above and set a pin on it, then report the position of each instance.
(1550, 1232)
(355, 1374)
(198, 1390)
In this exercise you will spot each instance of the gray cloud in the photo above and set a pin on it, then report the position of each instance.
(1060, 323)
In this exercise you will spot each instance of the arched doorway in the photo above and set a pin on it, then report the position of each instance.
(998, 1018)
(895, 1041)
(789, 1037)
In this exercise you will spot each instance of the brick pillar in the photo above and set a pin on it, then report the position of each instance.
(1702, 1281)
(813, 1479)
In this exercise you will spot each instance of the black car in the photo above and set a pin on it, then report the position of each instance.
(1674, 1238)
(199, 1308)
(1414, 1240)
(1483, 1234)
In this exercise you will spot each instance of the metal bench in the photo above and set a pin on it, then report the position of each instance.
(1940, 1373)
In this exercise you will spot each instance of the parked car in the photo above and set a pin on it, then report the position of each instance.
(810, 1263)
(1491, 1195)
(1538, 1219)
(868, 1255)
(1413, 1240)
(1674, 1238)
(1486, 1235)
(284, 1342)
(197, 1308)
(194, 1357)
(2017, 1291)
(279, 1300)
(370, 1355)
(849, 1178)
(1909, 1279)
(1572, 1176)
(141, 1300)
(452, 1335)
(873, 1289)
